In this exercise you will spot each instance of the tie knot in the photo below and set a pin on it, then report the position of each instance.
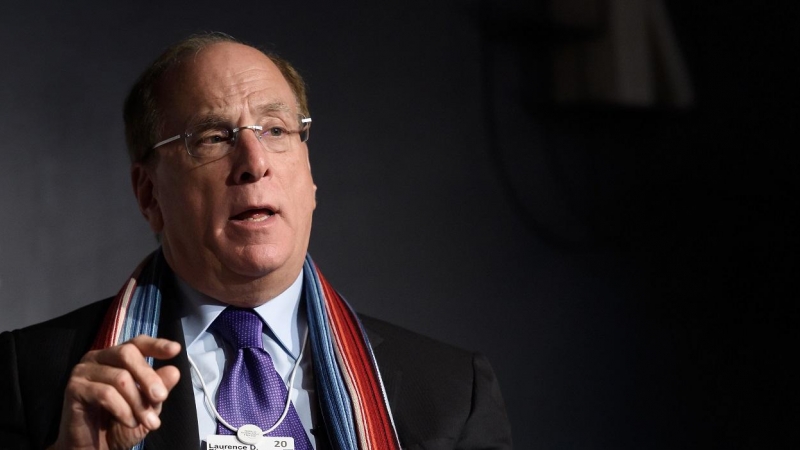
(241, 328)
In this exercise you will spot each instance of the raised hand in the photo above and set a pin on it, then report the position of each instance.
(113, 397)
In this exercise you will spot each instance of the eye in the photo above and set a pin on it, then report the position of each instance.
(273, 128)
(211, 136)
(275, 132)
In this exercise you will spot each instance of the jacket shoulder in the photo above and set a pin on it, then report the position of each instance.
(441, 396)
(37, 363)
(402, 346)
(51, 339)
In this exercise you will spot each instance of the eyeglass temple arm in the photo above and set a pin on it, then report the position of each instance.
(166, 141)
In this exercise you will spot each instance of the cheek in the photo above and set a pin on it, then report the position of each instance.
(185, 207)
(153, 213)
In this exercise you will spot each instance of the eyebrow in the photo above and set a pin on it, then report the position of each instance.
(262, 110)
(273, 107)
(209, 118)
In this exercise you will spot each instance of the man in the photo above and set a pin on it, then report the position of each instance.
(217, 132)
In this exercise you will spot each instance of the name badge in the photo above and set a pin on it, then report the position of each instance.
(230, 442)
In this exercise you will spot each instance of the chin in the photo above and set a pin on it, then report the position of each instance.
(256, 261)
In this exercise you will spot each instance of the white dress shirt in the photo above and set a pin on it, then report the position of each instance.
(286, 322)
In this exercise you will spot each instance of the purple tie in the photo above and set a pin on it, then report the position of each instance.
(251, 390)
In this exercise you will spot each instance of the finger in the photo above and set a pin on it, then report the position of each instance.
(127, 356)
(101, 396)
(158, 348)
(131, 357)
(147, 346)
(170, 375)
(121, 437)
(121, 381)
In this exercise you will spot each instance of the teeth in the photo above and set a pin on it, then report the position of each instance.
(258, 217)
(254, 215)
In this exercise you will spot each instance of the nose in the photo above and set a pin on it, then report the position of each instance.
(250, 162)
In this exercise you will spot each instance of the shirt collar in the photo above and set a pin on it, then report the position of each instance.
(281, 314)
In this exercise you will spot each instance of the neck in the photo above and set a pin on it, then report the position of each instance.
(236, 289)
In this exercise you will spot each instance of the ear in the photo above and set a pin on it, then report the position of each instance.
(144, 188)
(314, 185)
(315, 196)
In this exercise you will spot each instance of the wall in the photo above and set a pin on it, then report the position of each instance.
(626, 271)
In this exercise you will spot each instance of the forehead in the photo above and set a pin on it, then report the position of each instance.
(225, 79)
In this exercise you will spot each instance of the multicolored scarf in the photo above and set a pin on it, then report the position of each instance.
(353, 400)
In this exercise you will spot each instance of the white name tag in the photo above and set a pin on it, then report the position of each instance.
(230, 442)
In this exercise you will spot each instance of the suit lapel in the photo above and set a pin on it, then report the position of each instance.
(375, 339)
(391, 379)
(179, 415)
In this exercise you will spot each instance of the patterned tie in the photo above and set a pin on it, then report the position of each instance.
(251, 390)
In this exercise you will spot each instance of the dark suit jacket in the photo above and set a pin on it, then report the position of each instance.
(441, 397)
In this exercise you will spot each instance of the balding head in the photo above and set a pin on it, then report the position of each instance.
(143, 112)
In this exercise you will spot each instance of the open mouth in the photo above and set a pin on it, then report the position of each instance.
(254, 215)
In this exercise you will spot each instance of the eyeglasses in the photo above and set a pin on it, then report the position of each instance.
(215, 139)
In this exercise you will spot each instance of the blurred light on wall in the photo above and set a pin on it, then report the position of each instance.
(626, 55)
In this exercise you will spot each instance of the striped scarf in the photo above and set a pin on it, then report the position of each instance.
(353, 400)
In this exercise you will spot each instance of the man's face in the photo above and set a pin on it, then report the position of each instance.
(235, 228)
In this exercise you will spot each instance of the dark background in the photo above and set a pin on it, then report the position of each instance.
(629, 271)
